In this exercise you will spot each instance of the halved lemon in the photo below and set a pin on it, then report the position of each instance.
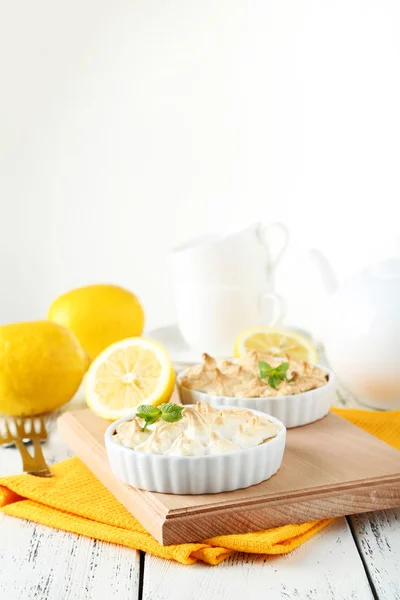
(128, 373)
(276, 342)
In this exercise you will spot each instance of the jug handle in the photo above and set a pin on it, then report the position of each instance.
(284, 234)
(279, 309)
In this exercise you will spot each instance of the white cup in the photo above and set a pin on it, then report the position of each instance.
(236, 258)
(210, 317)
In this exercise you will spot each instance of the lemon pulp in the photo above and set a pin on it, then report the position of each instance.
(128, 373)
(276, 342)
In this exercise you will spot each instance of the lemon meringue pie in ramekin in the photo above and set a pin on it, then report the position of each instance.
(295, 392)
(208, 450)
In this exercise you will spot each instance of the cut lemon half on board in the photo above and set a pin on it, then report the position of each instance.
(128, 373)
(276, 342)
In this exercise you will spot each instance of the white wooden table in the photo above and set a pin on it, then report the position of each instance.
(356, 559)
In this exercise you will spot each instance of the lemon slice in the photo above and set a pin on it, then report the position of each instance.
(276, 342)
(128, 373)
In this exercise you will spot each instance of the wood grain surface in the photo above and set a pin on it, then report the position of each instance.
(328, 567)
(330, 468)
(377, 536)
(40, 563)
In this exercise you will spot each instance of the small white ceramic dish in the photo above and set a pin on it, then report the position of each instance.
(292, 411)
(195, 474)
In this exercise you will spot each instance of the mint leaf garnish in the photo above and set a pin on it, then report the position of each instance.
(274, 375)
(148, 413)
(282, 369)
(265, 369)
(171, 412)
(168, 411)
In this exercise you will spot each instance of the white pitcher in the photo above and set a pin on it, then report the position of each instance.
(362, 331)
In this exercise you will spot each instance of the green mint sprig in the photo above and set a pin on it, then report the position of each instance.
(274, 375)
(168, 411)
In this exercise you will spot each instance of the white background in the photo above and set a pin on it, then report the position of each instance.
(127, 127)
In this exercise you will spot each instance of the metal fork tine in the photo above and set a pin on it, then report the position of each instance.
(19, 425)
(8, 431)
(42, 429)
(5, 434)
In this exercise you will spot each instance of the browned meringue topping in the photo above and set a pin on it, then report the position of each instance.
(241, 378)
(202, 431)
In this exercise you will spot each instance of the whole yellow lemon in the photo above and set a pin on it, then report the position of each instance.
(41, 367)
(99, 315)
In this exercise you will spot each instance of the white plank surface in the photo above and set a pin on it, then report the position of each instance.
(37, 562)
(327, 567)
(378, 538)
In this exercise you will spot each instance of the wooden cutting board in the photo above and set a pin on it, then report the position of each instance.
(330, 468)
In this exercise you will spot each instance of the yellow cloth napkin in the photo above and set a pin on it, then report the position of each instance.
(74, 500)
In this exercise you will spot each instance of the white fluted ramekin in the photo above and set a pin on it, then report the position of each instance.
(292, 411)
(195, 474)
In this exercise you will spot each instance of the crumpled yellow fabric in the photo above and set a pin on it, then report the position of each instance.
(74, 500)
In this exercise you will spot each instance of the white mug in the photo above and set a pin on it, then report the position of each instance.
(236, 258)
(210, 317)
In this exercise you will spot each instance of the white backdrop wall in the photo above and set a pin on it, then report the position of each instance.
(127, 127)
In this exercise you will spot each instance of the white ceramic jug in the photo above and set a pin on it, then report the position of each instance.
(362, 331)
